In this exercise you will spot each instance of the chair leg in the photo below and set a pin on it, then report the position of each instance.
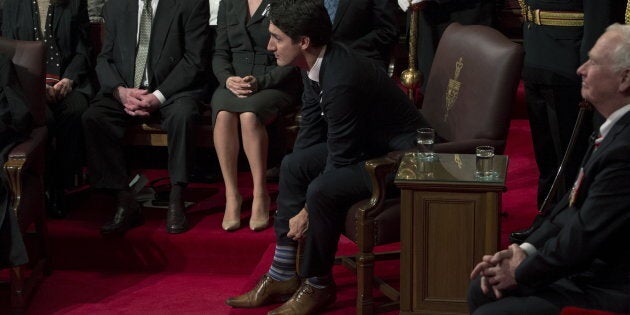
(365, 278)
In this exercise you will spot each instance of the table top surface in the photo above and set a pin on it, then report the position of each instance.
(448, 168)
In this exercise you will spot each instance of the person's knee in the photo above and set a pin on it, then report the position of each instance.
(289, 164)
(90, 117)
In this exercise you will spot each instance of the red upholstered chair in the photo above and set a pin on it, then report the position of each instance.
(25, 168)
(468, 100)
(581, 311)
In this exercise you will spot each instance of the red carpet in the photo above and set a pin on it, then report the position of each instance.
(151, 272)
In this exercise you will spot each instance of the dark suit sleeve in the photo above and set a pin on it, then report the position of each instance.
(192, 66)
(585, 232)
(8, 19)
(109, 75)
(276, 77)
(221, 59)
(78, 68)
(383, 29)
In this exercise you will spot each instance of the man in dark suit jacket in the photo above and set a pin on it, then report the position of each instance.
(580, 255)
(63, 25)
(367, 26)
(351, 111)
(171, 84)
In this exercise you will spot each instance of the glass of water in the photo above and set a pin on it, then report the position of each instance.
(425, 137)
(485, 159)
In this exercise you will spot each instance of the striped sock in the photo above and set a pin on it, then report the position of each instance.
(283, 265)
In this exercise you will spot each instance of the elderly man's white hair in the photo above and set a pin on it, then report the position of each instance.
(621, 54)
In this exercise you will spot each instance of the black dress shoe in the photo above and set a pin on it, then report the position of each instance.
(518, 237)
(127, 215)
(176, 218)
(56, 204)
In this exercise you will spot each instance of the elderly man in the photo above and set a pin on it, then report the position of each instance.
(580, 255)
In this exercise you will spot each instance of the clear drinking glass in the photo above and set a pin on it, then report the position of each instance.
(425, 137)
(485, 161)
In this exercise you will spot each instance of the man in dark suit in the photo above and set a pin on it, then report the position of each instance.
(367, 26)
(153, 63)
(557, 36)
(580, 255)
(351, 111)
(63, 26)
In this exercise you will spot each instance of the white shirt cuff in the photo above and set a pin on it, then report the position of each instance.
(159, 96)
(528, 248)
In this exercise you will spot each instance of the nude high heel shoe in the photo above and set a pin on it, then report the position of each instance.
(233, 224)
(260, 224)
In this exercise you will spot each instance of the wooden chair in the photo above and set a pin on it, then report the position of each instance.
(469, 98)
(25, 169)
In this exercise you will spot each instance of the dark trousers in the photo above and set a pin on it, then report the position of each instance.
(105, 124)
(67, 154)
(552, 111)
(327, 196)
(548, 300)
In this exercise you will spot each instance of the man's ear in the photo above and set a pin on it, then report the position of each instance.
(624, 84)
(305, 42)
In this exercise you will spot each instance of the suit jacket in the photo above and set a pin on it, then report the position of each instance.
(178, 50)
(358, 111)
(367, 26)
(588, 242)
(71, 26)
(241, 47)
(560, 49)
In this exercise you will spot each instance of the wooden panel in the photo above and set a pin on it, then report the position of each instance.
(444, 234)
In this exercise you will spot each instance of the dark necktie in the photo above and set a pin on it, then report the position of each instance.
(143, 43)
(331, 7)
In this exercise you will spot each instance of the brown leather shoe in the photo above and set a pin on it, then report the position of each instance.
(307, 300)
(266, 291)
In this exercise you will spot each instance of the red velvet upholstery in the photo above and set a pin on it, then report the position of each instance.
(581, 311)
(25, 167)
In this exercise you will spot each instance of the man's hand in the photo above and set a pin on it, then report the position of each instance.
(134, 101)
(241, 87)
(59, 91)
(298, 225)
(51, 95)
(503, 275)
(63, 88)
(484, 269)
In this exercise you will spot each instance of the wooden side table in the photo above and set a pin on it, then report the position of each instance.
(449, 220)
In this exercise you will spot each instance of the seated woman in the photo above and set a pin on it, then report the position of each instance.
(63, 26)
(253, 91)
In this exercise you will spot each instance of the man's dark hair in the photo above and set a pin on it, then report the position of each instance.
(298, 18)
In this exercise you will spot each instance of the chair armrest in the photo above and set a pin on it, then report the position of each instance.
(32, 149)
(378, 169)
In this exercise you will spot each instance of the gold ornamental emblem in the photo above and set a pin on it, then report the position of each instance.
(452, 91)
